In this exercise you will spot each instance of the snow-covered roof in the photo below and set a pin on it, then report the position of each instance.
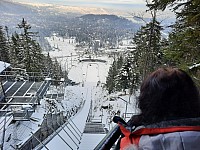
(3, 66)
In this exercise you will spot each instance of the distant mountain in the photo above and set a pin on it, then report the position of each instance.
(12, 13)
(10, 8)
(100, 17)
(73, 9)
(110, 28)
(40, 17)
(46, 18)
(108, 21)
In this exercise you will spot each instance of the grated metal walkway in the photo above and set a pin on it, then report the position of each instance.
(94, 128)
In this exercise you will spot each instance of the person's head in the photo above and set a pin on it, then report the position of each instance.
(168, 93)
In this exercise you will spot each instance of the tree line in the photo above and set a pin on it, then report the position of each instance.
(180, 49)
(22, 50)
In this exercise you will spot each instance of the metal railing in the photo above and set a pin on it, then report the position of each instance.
(112, 136)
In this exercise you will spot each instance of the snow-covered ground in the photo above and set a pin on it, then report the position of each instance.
(89, 93)
(91, 76)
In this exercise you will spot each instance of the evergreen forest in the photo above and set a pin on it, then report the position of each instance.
(181, 49)
(22, 50)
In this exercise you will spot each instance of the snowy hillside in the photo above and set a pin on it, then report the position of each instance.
(69, 116)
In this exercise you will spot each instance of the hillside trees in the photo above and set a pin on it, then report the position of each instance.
(23, 51)
(56, 70)
(183, 48)
(111, 83)
(145, 58)
(148, 41)
(30, 50)
(16, 55)
(48, 64)
(4, 46)
(31, 53)
(123, 74)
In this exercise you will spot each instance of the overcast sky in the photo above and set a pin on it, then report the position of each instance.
(116, 4)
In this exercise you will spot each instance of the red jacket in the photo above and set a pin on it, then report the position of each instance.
(183, 134)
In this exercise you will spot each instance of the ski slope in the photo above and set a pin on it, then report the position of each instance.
(90, 76)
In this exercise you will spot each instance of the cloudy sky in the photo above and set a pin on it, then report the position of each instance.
(115, 4)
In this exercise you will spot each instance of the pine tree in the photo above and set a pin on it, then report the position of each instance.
(57, 71)
(135, 78)
(23, 51)
(16, 51)
(27, 51)
(26, 42)
(110, 80)
(4, 46)
(184, 40)
(124, 76)
(48, 65)
(120, 62)
(148, 47)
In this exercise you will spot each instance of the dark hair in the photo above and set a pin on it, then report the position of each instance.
(167, 94)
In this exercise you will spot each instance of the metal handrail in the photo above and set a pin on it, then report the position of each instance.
(108, 141)
(111, 137)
